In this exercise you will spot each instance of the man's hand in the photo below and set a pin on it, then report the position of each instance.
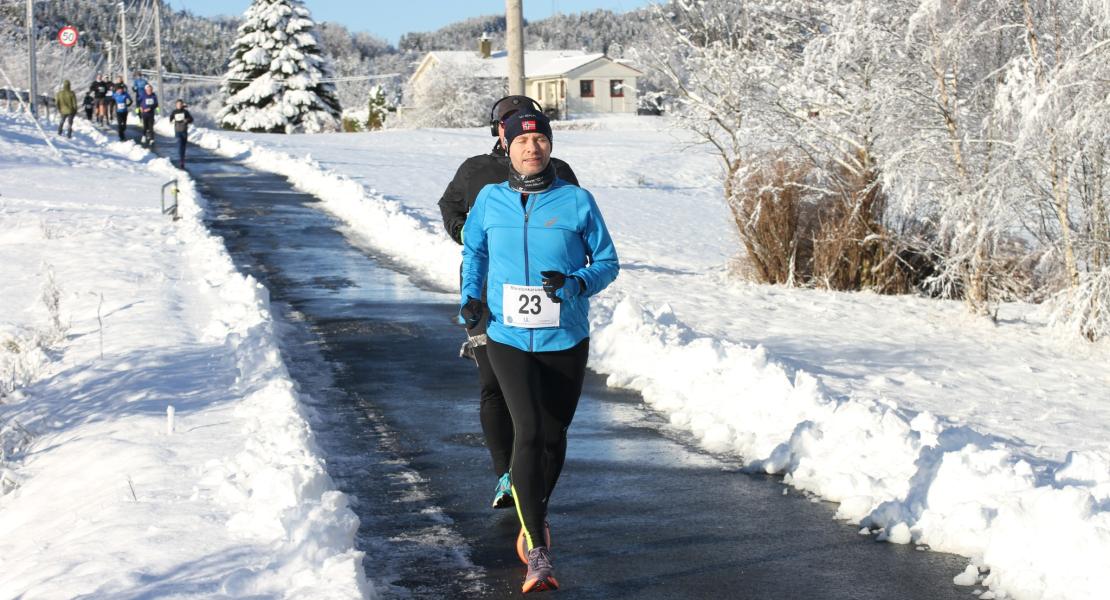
(559, 287)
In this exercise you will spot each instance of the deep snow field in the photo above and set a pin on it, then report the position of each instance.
(927, 426)
(114, 314)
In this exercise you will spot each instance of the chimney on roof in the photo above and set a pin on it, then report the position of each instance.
(484, 45)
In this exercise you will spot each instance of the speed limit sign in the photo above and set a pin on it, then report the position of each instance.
(68, 36)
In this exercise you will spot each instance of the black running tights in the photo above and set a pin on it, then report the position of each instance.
(541, 390)
(497, 423)
(121, 120)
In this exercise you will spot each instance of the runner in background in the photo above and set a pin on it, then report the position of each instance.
(139, 83)
(148, 108)
(101, 98)
(88, 105)
(181, 120)
(122, 101)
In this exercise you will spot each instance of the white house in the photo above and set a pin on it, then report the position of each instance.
(565, 82)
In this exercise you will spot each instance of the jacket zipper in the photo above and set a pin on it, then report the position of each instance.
(527, 213)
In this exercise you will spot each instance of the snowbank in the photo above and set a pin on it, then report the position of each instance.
(1032, 528)
(910, 480)
(385, 224)
(165, 448)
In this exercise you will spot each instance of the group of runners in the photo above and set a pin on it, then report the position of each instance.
(535, 248)
(105, 98)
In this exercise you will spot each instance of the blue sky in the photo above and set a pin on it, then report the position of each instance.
(388, 19)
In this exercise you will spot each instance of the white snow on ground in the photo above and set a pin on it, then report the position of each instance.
(112, 315)
(927, 426)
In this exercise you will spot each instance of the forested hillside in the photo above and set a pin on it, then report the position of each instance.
(201, 45)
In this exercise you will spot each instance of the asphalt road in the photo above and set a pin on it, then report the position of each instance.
(638, 513)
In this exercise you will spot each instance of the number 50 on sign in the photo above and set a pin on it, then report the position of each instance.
(67, 36)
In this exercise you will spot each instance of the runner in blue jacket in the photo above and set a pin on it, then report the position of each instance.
(122, 101)
(539, 248)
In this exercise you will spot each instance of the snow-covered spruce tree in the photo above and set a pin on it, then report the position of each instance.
(273, 83)
(376, 108)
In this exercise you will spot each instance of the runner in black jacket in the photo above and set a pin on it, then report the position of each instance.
(181, 120)
(101, 92)
(474, 174)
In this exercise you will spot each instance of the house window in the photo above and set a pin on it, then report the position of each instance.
(616, 88)
(586, 86)
(539, 91)
(562, 88)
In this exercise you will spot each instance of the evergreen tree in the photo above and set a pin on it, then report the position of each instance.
(377, 108)
(273, 79)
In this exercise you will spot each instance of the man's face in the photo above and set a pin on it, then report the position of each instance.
(530, 153)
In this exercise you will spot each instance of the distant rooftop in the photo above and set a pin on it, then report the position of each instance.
(537, 63)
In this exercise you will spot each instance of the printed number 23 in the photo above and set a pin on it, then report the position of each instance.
(526, 300)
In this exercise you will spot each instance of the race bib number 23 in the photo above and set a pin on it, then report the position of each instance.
(528, 307)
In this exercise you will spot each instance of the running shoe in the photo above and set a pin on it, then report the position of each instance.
(541, 575)
(503, 493)
(522, 542)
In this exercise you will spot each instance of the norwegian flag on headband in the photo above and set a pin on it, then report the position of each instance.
(527, 125)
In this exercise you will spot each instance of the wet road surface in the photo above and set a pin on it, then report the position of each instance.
(638, 512)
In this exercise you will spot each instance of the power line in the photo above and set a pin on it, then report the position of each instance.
(146, 19)
(220, 79)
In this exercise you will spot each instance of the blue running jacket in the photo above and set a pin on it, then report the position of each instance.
(560, 229)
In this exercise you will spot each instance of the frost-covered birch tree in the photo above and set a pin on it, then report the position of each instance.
(952, 156)
(1054, 103)
(273, 83)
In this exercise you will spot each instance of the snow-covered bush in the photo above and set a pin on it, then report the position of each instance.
(449, 96)
(768, 207)
(1084, 310)
(956, 147)
(273, 83)
(796, 143)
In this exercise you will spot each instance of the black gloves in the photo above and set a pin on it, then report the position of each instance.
(560, 287)
(471, 312)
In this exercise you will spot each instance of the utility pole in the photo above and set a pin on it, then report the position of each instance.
(123, 39)
(514, 41)
(108, 65)
(32, 69)
(158, 44)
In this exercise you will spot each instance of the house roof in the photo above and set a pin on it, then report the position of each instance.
(537, 63)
